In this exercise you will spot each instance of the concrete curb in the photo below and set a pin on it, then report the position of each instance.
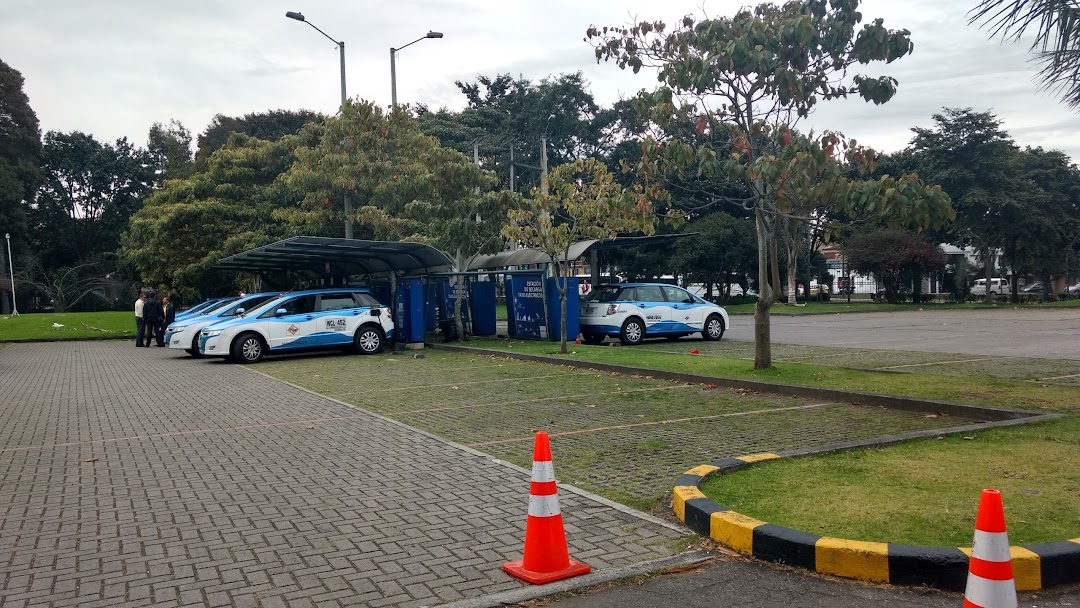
(598, 577)
(72, 339)
(1035, 567)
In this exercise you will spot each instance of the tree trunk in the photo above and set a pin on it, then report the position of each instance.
(762, 337)
(560, 284)
(989, 275)
(792, 260)
(456, 294)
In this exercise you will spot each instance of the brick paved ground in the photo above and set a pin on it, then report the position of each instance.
(624, 437)
(206, 485)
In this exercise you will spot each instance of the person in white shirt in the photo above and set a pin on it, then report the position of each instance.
(140, 323)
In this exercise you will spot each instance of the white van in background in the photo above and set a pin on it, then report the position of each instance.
(997, 287)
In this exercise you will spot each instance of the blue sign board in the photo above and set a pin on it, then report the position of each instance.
(525, 299)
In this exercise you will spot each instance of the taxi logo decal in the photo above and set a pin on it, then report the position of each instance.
(292, 329)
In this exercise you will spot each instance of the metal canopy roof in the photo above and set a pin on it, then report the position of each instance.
(535, 256)
(338, 257)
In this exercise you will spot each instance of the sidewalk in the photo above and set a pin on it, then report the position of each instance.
(737, 582)
(137, 477)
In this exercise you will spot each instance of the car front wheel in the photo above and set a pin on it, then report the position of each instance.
(633, 332)
(368, 340)
(248, 348)
(714, 328)
(194, 350)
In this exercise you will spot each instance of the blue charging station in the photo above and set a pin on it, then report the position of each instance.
(482, 303)
(409, 322)
(573, 309)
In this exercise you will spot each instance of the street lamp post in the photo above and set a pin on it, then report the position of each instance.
(393, 64)
(341, 53)
(11, 273)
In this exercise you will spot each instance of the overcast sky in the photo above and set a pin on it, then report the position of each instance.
(113, 67)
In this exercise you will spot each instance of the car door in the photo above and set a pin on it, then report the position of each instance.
(686, 313)
(654, 308)
(296, 327)
(337, 318)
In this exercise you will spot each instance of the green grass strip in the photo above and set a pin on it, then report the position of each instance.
(922, 492)
(72, 326)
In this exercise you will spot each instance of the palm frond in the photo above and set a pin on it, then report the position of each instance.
(1056, 41)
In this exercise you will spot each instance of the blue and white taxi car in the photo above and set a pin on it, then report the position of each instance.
(343, 317)
(632, 312)
(184, 332)
(203, 307)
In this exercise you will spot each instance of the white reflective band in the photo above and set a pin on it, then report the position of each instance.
(991, 546)
(543, 471)
(544, 506)
(990, 594)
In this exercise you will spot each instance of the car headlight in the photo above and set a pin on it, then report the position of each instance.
(211, 333)
(175, 328)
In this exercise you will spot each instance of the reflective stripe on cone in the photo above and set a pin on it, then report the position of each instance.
(990, 582)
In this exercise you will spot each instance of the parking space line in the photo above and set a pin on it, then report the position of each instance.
(944, 362)
(409, 388)
(1059, 377)
(549, 398)
(247, 427)
(654, 423)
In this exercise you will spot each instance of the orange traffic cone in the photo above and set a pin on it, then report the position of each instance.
(990, 581)
(546, 555)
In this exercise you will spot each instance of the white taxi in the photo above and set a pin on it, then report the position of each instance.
(345, 317)
(632, 312)
(184, 333)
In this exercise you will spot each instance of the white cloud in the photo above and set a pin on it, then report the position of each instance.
(113, 68)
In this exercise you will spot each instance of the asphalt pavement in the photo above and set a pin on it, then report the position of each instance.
(1049, 332)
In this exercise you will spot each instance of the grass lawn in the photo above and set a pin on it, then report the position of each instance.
(39, 326)
(921, 492)
(977, 389)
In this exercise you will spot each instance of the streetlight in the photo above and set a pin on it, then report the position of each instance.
(393, 65)
(11, 271)
(341, 51)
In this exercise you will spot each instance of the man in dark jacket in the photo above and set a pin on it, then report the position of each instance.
(168, 316)
(152, 313)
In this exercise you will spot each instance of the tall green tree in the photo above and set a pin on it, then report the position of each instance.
(1039, 239)
(270, 125)
(503, 112)
(750, 75)
(384, 162)
(977, 164)
(170, 151)
(228, 207)
(1056, 40)
(20, 159)
(584, 202)
(89, 191)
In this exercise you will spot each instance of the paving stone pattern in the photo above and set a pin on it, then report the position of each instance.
(208, 488)
(624, 437)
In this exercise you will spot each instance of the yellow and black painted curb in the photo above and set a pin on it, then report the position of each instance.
(1035, 567)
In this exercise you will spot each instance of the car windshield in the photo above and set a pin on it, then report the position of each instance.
(604, 293)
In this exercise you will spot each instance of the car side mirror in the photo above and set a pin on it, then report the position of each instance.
(688, 301)
(281, 311)
(241, 311)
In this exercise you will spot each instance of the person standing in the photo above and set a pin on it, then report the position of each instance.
(152, 312)
(140, 321)
(167, 317)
